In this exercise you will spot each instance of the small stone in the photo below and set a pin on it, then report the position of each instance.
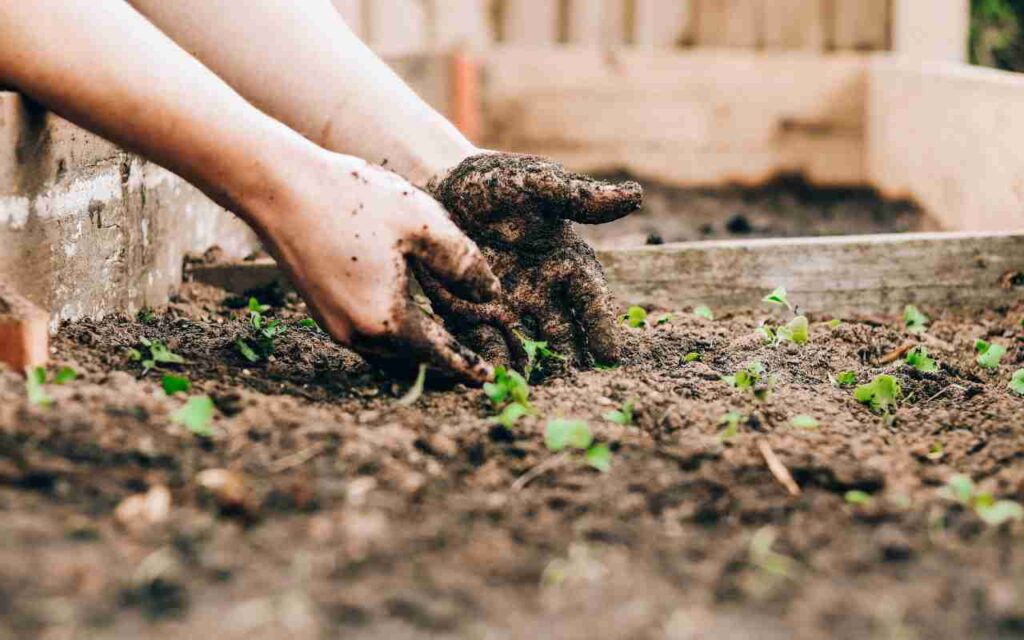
(143, 510)
(228, 489)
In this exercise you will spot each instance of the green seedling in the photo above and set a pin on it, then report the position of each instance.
(796, 331)
(416, 390)
(914, 321)
(767, 334)
(562, 434)
(935, 452)
(145, 316)
(881, 394)
(65, 375)
(918, 358)
(693, 356)
(35, 381)
(636, 317)
(623, 416)
(263, 334)
(731, 421)
(704, 311)
(857, 498)
(664, 319)
(35, 378)
(778, 297)
(309, 323)
(173, 384)
(805, 422)
(764, 558)
(537, 354)
(835, 323)
(196, 415)
(601, 366)
(960, 488)
(159, 354)
(508, 386)
(746, 378)
(990, 354)
(1017, 382)
(511, 414)
(845, 379)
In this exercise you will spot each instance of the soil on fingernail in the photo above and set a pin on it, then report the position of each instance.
(329, 509)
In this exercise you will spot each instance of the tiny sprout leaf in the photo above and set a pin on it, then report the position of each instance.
(256, 307)
(914, 321)
(65, 375)
(247, 352)
(935, 452)
(881, 394)
(665, 319)
(196, 415)
(416, 390)
(857, 498)
(173, 384)
(308, 323)
(134, 354)
(846, 378)
(999, 512)
(35, 378)
(623, 416)
(161, 354)
(989, 354)
(835, 323)
(779, 297)
(561, 434)
(796, 331)
(599, 457)
(636, 317)
(767, 335)
(959, 488)
(508, 386)
(704, 311)
(693, 356)
(805, 422)
(537, 353)
(1017, 382)
(731, 421)
(511, 414)
(918, 358)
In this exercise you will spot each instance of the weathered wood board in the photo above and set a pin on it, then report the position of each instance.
(693, 117)
(948, 136)
(843, 275)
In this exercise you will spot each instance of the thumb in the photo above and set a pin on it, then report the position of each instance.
(455, 260)
(585, 200)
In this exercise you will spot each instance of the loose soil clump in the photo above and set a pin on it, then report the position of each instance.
(322, 507)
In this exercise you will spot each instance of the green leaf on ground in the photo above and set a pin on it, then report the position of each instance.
(173, 384)
(805, 422)
(990, 354)
(636, 317)
(704, 311)
(35, 378)
(796, 331)
(511, 414)
(693, 356)
(914, 321)
(599, 457)
(623, 416)
(196, 415)
(881, 394)
(731, 421)
(562, 433)
(857, 497)
(508, 386)
(247, 352)
(918, 358)
(65, 375)
(846, 378)
(779, 297)
(664, 319)
(537, 353)
(1017, 382)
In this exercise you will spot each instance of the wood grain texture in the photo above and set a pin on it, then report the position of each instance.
(663, 24)
(837, 275)
(794, 24)
(863, 25)
(948, 135)
(531, 22)
(687, 117)
(729, 23)
(843, 275)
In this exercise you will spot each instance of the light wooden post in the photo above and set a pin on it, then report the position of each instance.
(931, 29)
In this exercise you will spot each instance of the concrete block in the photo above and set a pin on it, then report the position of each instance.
(24, 331)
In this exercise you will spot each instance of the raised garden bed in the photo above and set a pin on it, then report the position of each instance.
(346, 513)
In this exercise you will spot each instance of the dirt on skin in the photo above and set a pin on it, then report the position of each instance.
(345, 514)
(785, 207)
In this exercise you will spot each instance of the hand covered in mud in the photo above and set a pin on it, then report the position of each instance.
(350, 260)
(519, 210)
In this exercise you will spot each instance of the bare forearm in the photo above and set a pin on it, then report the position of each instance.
(300, 63)
(103, 66)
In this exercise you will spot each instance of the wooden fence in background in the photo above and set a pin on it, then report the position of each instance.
(397, 27)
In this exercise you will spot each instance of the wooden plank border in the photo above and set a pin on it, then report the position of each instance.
(835, 276)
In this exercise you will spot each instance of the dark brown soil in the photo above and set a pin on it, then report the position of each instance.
(347, 515)
(786, 207)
